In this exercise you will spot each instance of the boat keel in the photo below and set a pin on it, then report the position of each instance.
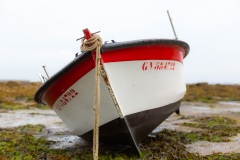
(132, 129)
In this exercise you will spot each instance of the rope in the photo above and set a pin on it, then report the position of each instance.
(92, 44)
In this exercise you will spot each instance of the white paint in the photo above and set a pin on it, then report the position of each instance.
(137, 90)
(78, 114)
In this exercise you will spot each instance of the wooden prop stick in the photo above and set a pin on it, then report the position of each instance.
(93, 43)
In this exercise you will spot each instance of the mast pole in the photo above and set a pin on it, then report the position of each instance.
(170, 19)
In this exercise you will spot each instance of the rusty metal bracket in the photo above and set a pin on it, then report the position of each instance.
(105, 78)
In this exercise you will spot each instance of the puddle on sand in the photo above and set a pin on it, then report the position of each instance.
(22, 117)
(55, 131)
(232, 103)
(186, 109)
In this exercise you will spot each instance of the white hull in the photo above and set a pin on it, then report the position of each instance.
(78, 114)
(135, 90)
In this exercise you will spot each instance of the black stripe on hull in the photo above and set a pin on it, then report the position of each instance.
(132, 129)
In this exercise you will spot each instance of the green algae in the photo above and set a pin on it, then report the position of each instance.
(215, 128)
(166, 145)
(20, 143)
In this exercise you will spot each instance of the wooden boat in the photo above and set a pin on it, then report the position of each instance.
(141, 85)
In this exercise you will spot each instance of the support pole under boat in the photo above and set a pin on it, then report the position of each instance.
(93, 43)
(177, 111)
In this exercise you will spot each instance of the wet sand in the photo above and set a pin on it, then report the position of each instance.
(57, 132)
(198, 110)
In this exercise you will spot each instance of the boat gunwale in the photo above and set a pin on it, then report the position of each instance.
(105, 48)
(143, 42)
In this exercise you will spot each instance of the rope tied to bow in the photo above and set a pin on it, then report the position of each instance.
(92, 44)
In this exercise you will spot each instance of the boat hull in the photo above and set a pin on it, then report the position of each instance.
(132, 129)
(142, 84)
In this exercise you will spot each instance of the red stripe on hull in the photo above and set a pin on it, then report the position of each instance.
(157, 52)
(67, 80)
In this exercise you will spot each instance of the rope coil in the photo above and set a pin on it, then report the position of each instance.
(91, 44)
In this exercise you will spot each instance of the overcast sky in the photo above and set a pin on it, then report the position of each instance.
(44, 32)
